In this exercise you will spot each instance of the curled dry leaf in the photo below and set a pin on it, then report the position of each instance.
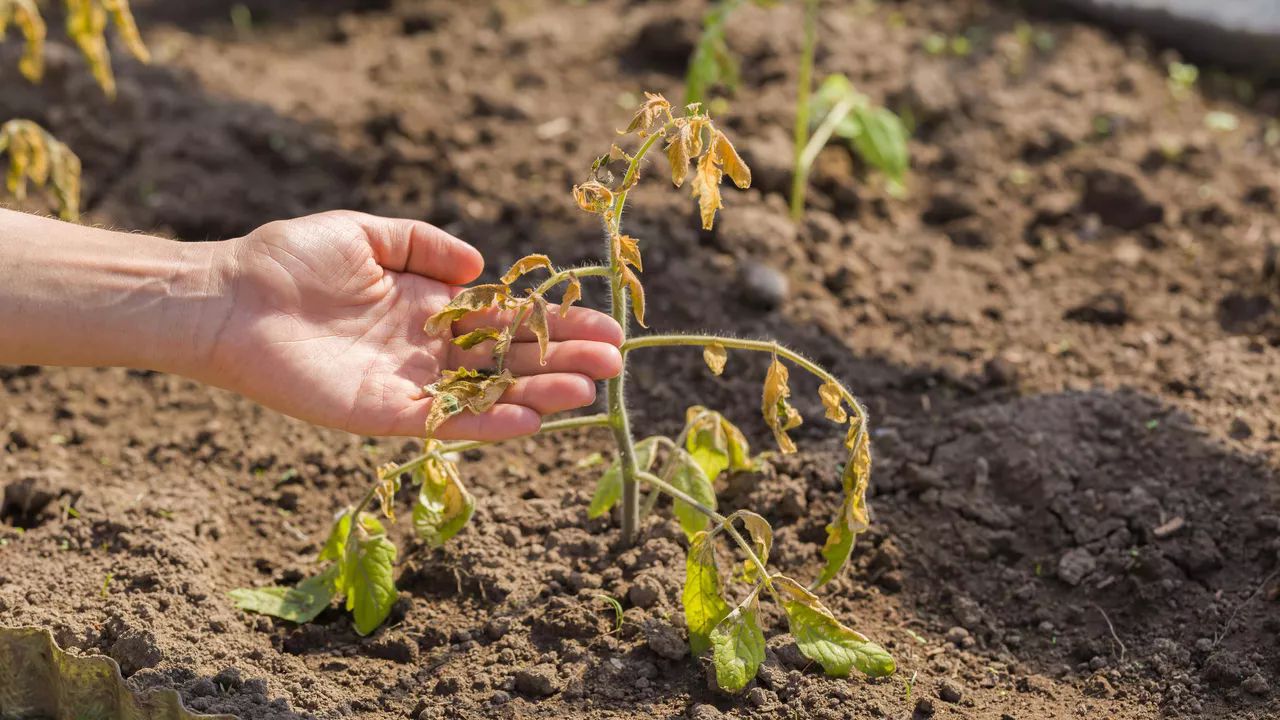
(833, 400)
(478, 297)
(528, 263)
(593, 197)
(463, 389)
(36, 156)
(628, 249)
(706, 188)
(852, 518)
(572, 294)
(729, 159)
(475, 337)
(778, 413)
(684, 145)
(715, 443)
(636, 290)
(386, 489)
(538, 325)
(715, 357)
(26, 15)
(654, 109)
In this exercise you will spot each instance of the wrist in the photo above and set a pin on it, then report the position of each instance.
(199, 305)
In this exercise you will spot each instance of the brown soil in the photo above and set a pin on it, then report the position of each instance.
(1068, 336)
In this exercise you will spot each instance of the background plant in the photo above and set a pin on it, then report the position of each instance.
(722, 617)
(34, 154)
(875, 133)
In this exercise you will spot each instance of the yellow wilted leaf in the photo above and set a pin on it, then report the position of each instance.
(637, 294)
(538, 324)
(87, 25)
(684, 145)
(728, 157)
(706, 187)
(26, 15)
(654, 107)
(386, 489)
(629, 251)
(824, 639)
(122, 17)
(572, 294)
(778, 413)
(444, 506)
(475, 337)
(715, 356)
(528, 263)
(463, 389)
(37, 156)
(478, 297)
(593, 197)
(833, 401)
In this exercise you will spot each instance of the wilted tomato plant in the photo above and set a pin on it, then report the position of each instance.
(360, 556)
(34, 154)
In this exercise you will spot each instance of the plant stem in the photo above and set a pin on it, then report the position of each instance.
(582, 421)
(800, 180)
(755, 346)
(618, 418)
(663, 486)
(561, 275)
(822, 134)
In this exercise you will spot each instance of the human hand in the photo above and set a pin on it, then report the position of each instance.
(323, 320)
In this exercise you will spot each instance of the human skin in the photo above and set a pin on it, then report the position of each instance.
(319, 317)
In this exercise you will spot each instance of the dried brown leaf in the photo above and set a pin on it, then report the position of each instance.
(593, 197)
(636, 290)
(833, 401)
(528, 263)
(650, 113)
(715, 356)
(475, 337)
(572, 294)
(778, 413)
(732, 163)
(629, 251)
(538, 324)
(475, 298)
(706, 188)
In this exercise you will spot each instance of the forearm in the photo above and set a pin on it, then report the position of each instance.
(73, 295)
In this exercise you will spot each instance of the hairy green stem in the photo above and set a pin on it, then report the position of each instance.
(720, 520)
(755, 346)
(560, 276)
(616, 389)
(581, 421)
(800, 180)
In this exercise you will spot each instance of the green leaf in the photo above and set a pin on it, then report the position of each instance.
(704, 608)
(367, 576)
(715, 443)
(825, 640)
(336, 544)
(738, 647)
(882, 143)
(299, 604)
(444, 506)
(833, 90)
(609, 488)
(688, 476)
(838, 546)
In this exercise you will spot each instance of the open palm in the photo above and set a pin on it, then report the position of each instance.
(326, 324)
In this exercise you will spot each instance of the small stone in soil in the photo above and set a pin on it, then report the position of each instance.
(703, 711)
(957, 636)
(664, 639)
(539, 681)
(763, 287)
(1255, 684)
(136, 650)
(924, 707)
(1075, 565)
(950, 691)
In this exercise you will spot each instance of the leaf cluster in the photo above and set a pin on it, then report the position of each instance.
(36, 156)
(874, 132)
(86, 25)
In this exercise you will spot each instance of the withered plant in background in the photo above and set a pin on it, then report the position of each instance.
(34, 154)
(360, 556)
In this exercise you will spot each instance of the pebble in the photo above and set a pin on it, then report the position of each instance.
(950, 691)
(1256, 684)
(703, 711)
(539, 681)
(664, 639)
(957, 636)
(1075, 565)
(763, 287)
(924, 707)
